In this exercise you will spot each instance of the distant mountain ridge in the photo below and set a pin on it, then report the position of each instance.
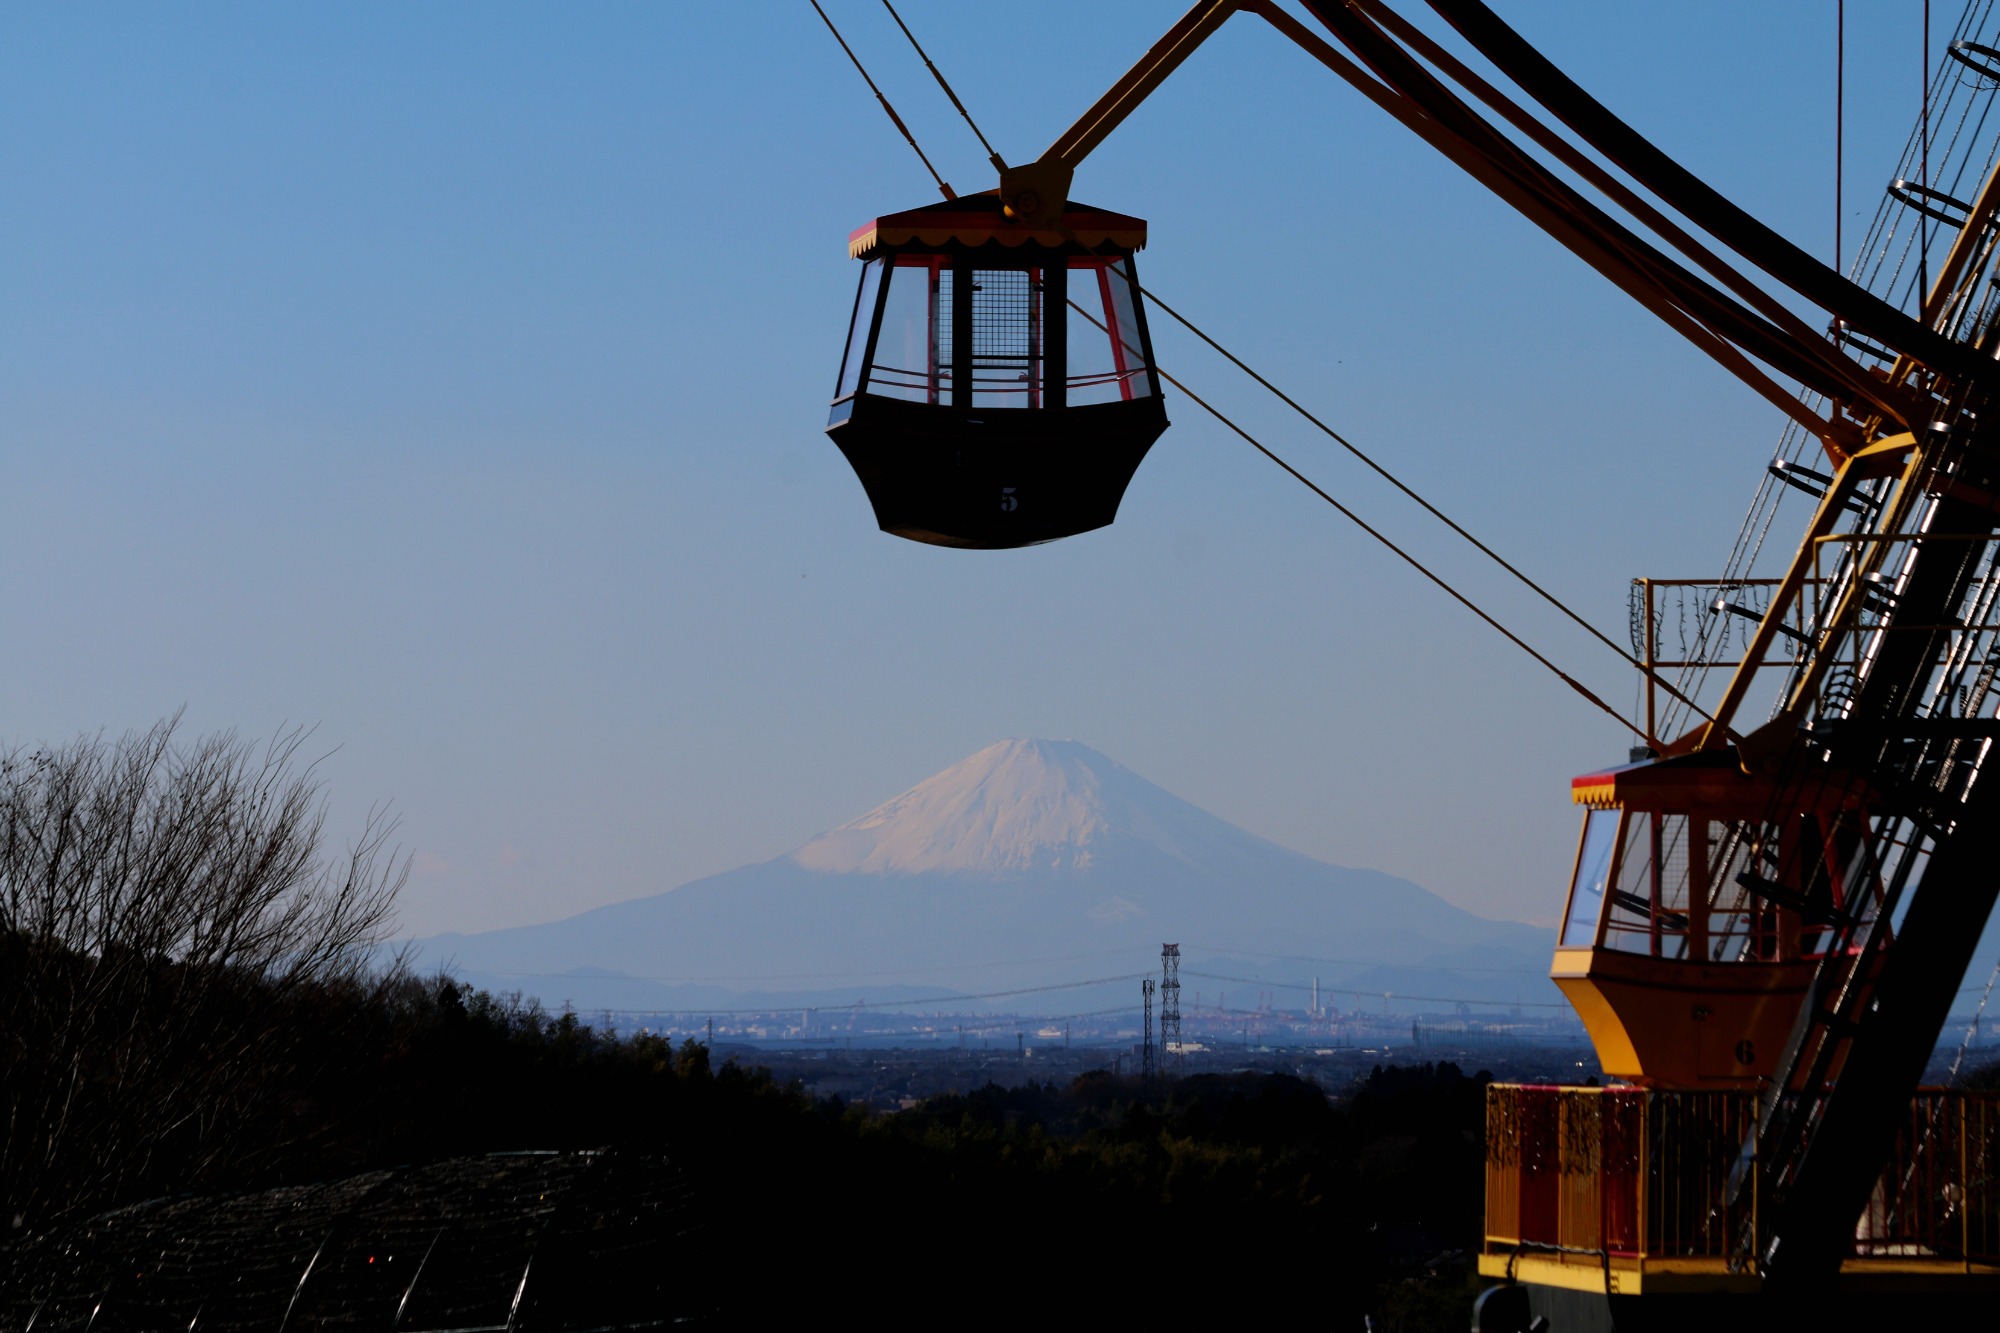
(1028, 863)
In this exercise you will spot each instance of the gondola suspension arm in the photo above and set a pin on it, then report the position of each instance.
(1735, 335)
(1035, 192)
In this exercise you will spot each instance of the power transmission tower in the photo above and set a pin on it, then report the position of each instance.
(1146, 1033)
(1170, 1005)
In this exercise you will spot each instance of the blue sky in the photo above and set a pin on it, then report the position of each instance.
(450, 378)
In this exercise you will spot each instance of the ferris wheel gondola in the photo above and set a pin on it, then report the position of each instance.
(1766, 923)
(998, 387)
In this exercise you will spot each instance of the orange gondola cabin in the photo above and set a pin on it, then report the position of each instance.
(998, 387)
(1702, 900)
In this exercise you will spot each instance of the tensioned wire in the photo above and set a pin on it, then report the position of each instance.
(1332, 434)
(1957, 157)
(1965, 1043)
(1395, 481)
(920, 1002)
(1583, 691)
(894, 119)
(1646, 672)
(1712, 630)
(938, 74)
(1212, 1013)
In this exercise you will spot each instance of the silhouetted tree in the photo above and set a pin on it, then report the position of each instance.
(168, 910)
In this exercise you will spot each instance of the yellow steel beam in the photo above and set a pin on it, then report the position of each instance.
(1970, 240)
(1896, 454)
(1712, 735)
(1887, 457)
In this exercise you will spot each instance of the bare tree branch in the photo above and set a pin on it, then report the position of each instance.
(164, 906)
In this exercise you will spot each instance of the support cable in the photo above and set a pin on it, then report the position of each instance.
(895, 119)
(907, 1002)
(1807, 339)
(1876, 264)
(998, 163)
(1298, 476)
(1680, 189)
(1924, 129)
(1359, 522)
(1426, 505)
(1722, 327)
(1375, 994)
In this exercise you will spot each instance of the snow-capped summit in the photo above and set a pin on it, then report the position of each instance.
(1019, 805)
(1003, 870)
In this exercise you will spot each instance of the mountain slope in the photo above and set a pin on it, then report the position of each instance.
(1027, 863)
(1021, 805)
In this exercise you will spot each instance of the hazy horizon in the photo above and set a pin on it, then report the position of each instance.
(451, 379)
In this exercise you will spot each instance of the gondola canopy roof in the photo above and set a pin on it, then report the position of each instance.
(980, 219)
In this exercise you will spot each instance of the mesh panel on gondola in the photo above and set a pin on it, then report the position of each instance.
(997, 386)
(1006, 338)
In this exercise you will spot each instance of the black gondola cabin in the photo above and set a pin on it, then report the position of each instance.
(998, 387)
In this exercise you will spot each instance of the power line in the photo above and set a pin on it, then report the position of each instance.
(995, 1025)
(1000, 1024)
(1382, 994)
(767, 978)
(1227, 950)
(1105, 981)
(890, 1004)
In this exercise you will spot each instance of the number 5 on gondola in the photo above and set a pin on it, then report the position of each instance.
(989, 356)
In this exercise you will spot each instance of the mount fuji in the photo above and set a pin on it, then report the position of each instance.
(1030, 863)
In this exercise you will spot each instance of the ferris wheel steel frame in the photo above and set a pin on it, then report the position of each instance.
(1909, 516)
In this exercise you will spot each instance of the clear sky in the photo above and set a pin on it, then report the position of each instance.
(451, 378)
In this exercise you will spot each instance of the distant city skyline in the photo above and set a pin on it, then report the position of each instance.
(450, 380)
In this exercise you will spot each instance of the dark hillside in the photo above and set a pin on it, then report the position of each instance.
(1238, 1194)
